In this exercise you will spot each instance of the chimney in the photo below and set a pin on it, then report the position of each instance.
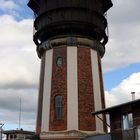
(133, 96)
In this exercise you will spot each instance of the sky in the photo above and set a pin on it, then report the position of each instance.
(20, 66)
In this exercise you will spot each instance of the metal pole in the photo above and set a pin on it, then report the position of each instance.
(19, 113)
(2, 124)
(103, 121)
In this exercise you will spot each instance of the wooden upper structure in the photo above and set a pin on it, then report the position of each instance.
(70, 17)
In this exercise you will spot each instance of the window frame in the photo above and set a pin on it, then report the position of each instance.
(127, 120)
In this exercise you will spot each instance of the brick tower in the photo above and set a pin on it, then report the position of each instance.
(70, 37)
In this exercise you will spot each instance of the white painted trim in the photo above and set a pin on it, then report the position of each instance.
(47, 91)
(96, 88)
(72, 89)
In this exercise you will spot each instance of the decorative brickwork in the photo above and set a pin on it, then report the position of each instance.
(59, 87)
(85, 90)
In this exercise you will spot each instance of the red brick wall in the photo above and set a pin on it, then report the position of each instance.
(59, 87)
(85, 91)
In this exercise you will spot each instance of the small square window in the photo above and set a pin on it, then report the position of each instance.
(59, 61)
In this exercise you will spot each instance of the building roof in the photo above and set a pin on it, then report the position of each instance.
(21, 131)
(34, 5)
(110, 109)
(98, 137)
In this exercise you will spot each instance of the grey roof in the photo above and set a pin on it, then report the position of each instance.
(99, 137)
(18, 132)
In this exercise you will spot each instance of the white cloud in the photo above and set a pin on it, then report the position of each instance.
(19, 72)
(18, 57)
(8, 5)
(122, 92)
(10, 104)
(123, 46)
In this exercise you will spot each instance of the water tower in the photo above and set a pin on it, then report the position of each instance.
(70, 36)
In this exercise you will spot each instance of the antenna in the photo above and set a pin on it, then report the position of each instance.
(19, 112)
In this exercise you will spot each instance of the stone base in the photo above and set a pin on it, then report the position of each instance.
(67, 135)
(62, 139)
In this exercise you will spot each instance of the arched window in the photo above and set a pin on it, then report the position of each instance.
(59, 61)
(58, 107)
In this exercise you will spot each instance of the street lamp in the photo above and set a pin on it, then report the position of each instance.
(1, 125)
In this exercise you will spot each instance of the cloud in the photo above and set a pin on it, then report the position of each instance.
(16, 8)
(122, 92)
(10, 106)
(8, 5)
(28, 96)
(19, 72)
(130, 9)
(20, 65)
(123, 46)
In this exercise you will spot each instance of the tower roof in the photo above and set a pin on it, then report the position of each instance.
(35, 4)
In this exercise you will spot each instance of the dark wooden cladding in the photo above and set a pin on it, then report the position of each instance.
(71, 14)
(70, 17)
(68, 21)
(56, 4)
(98, 5)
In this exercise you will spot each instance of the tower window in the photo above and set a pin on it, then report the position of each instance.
(58, 107)
(59, 61)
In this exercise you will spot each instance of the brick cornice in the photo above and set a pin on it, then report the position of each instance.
(71, 41)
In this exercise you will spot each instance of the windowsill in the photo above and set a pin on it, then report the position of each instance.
(127, 129)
